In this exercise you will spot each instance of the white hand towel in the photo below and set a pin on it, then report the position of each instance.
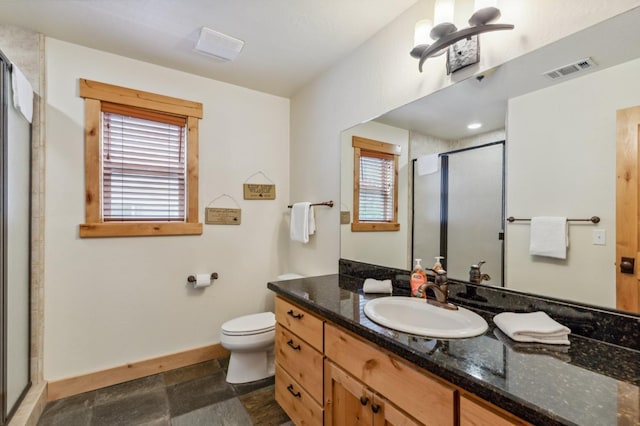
(532, 327)
(312, 221)
(299, 227)
(549, 237)
(377, 286)
(427, 164)
(22, 93)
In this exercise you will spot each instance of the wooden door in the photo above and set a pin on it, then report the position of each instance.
(347, 401)
(627, 210)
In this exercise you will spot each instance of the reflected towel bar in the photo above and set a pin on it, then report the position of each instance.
(592, 219)
(325, 203)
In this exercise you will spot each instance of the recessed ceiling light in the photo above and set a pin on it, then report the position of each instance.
(473, 126)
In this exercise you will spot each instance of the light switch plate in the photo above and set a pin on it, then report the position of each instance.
(599, 237)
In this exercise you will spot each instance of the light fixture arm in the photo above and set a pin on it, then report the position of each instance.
(449, 39)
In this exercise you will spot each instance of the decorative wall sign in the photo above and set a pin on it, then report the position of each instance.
(222, 216)
(259, 191)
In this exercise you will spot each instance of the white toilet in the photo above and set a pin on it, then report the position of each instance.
(251, 339)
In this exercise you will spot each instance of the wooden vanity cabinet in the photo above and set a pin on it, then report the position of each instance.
(475, 412)
(327, 376)
(349, 402)
(299, 363)
(426, 398)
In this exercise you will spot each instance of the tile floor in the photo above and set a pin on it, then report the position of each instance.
(197, 395)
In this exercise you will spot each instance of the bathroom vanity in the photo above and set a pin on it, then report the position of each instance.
(334, 364)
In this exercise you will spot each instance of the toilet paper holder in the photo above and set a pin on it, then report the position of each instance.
(192, 278)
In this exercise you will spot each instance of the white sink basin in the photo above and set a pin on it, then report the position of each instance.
(416, 316)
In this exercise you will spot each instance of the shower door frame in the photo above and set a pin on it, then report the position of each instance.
(444, 202)
(6, 413)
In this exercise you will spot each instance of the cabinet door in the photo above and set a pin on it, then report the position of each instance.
(346, 400)
(349, 402)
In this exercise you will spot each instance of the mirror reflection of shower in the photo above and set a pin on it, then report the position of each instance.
(458, 210)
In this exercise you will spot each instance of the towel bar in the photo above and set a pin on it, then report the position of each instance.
(592, 219)
(324, 203)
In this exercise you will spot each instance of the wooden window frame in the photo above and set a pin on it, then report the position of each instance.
(94, 94)
(361, 145)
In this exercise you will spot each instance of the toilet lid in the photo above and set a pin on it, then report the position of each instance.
(250, 324)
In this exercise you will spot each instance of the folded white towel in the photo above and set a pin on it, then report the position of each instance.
(300, 218)
(549, 237)
(377, 286)
(532, 327)
(427, 164)
(22, 93)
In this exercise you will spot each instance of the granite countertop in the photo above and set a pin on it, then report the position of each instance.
(589, 382)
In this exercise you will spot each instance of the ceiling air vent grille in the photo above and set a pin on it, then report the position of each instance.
(581, 65)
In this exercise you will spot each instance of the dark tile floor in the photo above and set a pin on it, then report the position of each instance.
(197, 395)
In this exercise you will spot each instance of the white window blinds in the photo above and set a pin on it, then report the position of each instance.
(143, 166)
(376, 187)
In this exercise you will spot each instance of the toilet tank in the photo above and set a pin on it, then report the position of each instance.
(288, 276)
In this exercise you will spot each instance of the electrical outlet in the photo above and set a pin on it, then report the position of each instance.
(599, 237)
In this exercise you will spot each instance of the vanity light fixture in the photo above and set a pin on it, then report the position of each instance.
(447, 35)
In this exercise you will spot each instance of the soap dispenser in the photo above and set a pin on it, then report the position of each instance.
(418, 278)
(438, 266)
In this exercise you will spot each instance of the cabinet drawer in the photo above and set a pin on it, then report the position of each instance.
(300, 360)
(307, 326)
(476, 413)
(295, 401)
(426, 399)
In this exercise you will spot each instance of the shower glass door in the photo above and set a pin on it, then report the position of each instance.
(473, 211)
(15, 238)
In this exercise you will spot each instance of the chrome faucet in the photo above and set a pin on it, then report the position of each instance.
(475, 276)
(440, 289)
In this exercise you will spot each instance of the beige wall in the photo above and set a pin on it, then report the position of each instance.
(569, 131)
(110, 301)
(379, 76)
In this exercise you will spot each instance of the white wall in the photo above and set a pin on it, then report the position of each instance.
(379, 76)
(373, 247)
(562, 162)
(109, 301)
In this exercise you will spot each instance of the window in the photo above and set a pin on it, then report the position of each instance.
(375, 185)
(141, 163)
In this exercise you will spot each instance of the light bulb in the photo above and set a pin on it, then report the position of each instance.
(443, 11)
(421, 32)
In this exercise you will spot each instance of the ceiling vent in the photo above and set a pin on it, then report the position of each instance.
(578, 66)
(217, 45)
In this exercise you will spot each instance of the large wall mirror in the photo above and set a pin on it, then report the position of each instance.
(559, 160)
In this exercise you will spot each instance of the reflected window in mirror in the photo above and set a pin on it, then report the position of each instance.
(375, 185)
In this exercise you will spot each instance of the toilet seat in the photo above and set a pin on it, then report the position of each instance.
(247, 325)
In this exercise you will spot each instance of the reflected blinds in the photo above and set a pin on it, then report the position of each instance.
(376, 187)
(143, 165)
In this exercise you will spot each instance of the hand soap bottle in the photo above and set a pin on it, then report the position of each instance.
(438, 266)
(418, 278)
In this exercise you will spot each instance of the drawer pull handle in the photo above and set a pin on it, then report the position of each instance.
(364, 400)
(296, 316)
(290, 389)
(375, 408)
(294, 347)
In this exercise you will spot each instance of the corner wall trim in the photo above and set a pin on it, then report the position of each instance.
(74, 385)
